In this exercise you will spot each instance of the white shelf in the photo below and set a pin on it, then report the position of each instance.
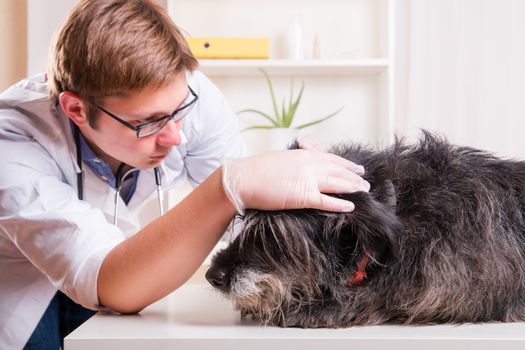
(355, 40)
(240, 67)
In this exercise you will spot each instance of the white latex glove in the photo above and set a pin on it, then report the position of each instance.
(312, 143)
(292, 179)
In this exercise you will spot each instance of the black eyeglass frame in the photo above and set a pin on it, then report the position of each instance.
(162, 121)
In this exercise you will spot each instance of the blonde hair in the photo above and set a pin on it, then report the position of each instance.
(109, 47)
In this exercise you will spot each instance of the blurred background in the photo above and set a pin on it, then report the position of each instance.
(452, 66)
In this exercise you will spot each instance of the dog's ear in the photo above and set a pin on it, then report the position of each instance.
(374, 224)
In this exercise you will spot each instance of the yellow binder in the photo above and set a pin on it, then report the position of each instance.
(229, 47)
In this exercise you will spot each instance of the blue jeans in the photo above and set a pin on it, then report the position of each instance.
(61, 317)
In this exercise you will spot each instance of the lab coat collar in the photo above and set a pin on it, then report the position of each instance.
(30, 97)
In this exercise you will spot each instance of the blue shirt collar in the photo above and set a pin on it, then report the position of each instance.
(98, 165)
(103, 170)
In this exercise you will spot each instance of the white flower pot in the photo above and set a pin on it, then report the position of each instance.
(280, 138)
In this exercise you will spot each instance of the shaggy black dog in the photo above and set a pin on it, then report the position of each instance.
(440, 238)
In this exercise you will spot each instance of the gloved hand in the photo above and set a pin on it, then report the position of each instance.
(291, 179)
(312, 143)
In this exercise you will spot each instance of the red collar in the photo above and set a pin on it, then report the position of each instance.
(358, 276)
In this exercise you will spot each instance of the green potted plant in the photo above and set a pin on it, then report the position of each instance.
(280, 124)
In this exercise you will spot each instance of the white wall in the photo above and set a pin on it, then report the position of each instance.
(462, 72)
(44, 17)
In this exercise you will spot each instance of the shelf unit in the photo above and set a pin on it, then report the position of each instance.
(355, 68)
(233, 67)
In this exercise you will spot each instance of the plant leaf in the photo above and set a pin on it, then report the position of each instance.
(319, 120)
(293, 107)
(270, 119)
(292, 83)
(270, 86)
(284, 114)
(259, 127)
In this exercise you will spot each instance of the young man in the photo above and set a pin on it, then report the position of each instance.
(122, 107)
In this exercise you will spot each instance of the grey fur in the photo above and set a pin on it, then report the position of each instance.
(444, 227)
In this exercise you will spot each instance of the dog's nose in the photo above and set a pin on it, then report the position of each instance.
(217, 277)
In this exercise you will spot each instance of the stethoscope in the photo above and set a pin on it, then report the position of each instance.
(119, 178)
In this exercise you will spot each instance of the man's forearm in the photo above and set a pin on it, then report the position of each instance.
(163, 255)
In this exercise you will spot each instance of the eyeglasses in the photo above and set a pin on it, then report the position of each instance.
(154, 126)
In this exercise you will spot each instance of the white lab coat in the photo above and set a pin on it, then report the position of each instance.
(49, 239)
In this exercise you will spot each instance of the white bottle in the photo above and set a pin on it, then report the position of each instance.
(295, 39)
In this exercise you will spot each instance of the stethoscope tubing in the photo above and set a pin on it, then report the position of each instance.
(158, 185)
(119, 177)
